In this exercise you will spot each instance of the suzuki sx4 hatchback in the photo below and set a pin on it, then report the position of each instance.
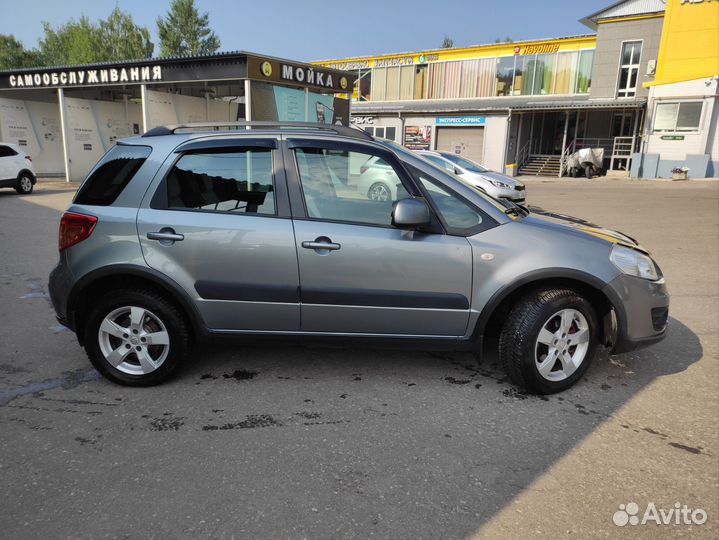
(179, 236)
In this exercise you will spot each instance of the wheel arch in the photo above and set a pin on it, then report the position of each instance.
(608, 306)
(99, 282)
(27, 171)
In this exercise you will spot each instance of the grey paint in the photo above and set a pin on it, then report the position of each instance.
(608, 51)
(268, 252)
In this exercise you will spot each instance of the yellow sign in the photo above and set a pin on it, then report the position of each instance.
(689, 48)
(266, 69)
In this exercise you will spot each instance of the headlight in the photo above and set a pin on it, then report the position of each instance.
(633, 262)
(499, 183)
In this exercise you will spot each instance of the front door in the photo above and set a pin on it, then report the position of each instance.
(358, 273)
(216, 226)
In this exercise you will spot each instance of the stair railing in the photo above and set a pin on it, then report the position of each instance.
(564, 157)
(523, 153)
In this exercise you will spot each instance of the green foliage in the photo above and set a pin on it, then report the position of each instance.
(84, 42)
(14, 55)
(183, 31)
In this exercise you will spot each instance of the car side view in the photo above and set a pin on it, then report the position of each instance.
(192, 232)
(16, 169)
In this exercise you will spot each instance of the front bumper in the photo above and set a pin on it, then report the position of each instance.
(514, 195)
(642, 310)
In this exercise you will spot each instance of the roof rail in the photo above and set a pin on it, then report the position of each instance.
(347, 131)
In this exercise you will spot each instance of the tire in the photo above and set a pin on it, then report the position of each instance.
(524, 353)
(160, 319)
(379, 191)
(25, 184)
(588, 171)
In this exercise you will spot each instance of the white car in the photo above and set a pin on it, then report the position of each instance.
(378, 181)
(499, 186)
(16, 169)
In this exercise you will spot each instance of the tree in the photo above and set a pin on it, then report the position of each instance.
(183, 31)
(447, 42)
(122, 39)
(84, 42)
(14, 55)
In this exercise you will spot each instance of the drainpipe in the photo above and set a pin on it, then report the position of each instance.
(401, 127)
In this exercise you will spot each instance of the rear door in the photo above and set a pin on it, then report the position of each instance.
(219, 224)
(359, 274)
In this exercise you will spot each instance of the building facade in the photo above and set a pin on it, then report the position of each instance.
(524, 107)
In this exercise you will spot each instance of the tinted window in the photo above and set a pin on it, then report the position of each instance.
(6, 151)
(236, 181)
(348, 186)
(439, 161)
(112, 174)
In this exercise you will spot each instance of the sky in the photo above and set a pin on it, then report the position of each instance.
(326, 29)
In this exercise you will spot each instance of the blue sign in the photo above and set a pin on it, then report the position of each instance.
(460, 120)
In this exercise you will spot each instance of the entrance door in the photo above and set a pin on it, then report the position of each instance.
(215, 227)
(465, 141)
(358, 273)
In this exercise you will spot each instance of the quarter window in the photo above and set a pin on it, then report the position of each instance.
(348, 186)
(456, 213)
(112, 174)
(629, 69)
(237, 182)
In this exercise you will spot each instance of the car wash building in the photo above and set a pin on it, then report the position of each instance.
(524, 107)
(68, 117)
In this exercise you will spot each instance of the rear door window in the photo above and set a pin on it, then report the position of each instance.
(224, 181)
(111, 175)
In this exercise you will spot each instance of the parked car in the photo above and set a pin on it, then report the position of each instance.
(179, 237)
(499, 186)
(16, 169)
(377, 180)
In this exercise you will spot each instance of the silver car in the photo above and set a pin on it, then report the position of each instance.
(178, 237)
(499, 186)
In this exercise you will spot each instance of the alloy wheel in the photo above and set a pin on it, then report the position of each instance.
(562, 344)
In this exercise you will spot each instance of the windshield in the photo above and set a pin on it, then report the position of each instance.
(471, 166)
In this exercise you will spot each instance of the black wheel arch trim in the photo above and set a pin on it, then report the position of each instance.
(544, 274)
(28, 172)
(167, 284)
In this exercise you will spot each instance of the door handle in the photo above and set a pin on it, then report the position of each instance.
(166, 235)
(321, 243)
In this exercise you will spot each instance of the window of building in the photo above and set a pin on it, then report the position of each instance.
(505, 75)
(565, 72)
(237, 182)
(420, 81)
(379, 80)
(629, 69)
(477, 79)
(364, 81)
(584, 72)
(383, 132)
(683, 116)
(328, 197)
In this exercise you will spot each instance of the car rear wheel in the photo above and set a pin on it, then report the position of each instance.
(24, 184)
(136, 338)
(548, 340)
(379, 191)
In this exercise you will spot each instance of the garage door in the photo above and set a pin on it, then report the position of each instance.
(469, 141)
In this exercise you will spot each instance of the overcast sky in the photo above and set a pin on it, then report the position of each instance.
(323, 29)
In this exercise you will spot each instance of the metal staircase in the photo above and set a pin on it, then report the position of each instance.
(540, 165)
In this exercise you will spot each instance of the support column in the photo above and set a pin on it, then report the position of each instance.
(564, 144)
(519, 140)
(63, 130)
(248, 101)
(576, 132)
(145, 108)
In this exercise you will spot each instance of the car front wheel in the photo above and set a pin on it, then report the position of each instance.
(548, 340)
(379, 191)
(136, 337)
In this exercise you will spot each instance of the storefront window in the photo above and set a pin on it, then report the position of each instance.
(477, 79)
(505, 76)
(566, 71)
(543, 73)
(365, 84)
(444, 80)
(406, 82)
(420, 82)
(684, 116)
(392, 92)
(584, 72)
(379, 79)
(524, 75)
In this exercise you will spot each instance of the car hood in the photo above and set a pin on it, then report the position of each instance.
(545, 217)
(491, 175)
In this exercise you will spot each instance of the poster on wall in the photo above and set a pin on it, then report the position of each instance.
(84, 143)
(111, 121)
(418, 137)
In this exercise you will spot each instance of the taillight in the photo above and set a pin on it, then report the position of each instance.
(363, 169)
(75, 228)
(28, 158)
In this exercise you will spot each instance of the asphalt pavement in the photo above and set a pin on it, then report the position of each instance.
(268, 441)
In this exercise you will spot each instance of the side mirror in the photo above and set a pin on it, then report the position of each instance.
(411, 214)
